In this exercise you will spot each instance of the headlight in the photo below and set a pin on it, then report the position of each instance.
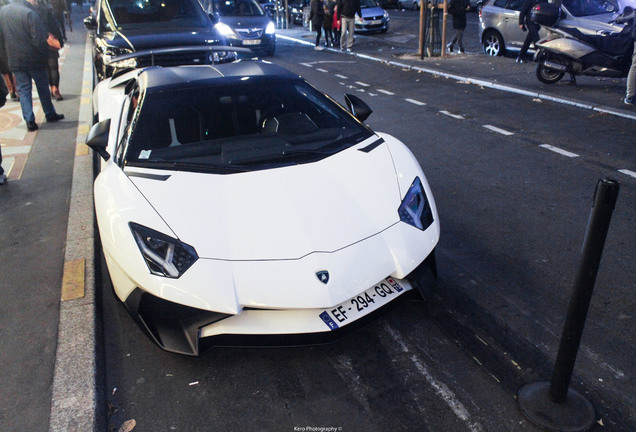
(415, 209)
(359, 20)
(164, 255)
(271, 28)
(224, 29)
(123, 64)
(386, 15)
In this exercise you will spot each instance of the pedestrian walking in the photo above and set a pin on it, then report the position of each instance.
(347, 10)
(335, 27)
(527, 25)
(23, 38)
(629, 16)
(56, 42)
(458, 9)
(316, 16)
(327, 23)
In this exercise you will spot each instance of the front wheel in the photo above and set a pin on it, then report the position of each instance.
(547, 75)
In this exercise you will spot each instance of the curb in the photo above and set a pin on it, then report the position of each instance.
(74, 389)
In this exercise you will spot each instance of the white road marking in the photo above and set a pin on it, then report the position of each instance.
(306, 64)
(341, 76)
(628, 172)
(360, 83)
(322, 70)
(447, 396)
(559, 151)
(415, 102)
(498, 130)
(456, 116)
(386, 92)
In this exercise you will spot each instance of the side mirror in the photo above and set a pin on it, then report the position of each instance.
(357, 107)
(98, 138)
(90, 23)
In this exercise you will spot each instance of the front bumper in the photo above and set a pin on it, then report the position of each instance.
(189, 331)
(371, 26)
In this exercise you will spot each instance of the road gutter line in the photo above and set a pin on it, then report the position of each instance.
(74, 391)
(482, 83)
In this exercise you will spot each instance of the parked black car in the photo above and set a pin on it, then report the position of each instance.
(246, 24)
(126, 26)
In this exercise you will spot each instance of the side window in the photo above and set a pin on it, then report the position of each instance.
(125, 122)
(500, 3)
(514, 4)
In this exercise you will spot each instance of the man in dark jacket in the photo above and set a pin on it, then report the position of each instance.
(458, 9)
(347, 10)
(23, 39)
(526, 24)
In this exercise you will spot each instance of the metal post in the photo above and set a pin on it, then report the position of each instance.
(604, 200)
(554, 405)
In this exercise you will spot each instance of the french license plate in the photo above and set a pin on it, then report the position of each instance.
(362, 304)
(374, 22)
(251, 42)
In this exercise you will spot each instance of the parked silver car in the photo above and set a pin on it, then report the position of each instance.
(499, 22)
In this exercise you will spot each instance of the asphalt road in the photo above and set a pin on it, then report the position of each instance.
(513, 219)
(513, 177)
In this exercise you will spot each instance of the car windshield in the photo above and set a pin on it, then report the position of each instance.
(238, 8)
(368, 4)
(140, 14)
(243, 125)
(581, 8)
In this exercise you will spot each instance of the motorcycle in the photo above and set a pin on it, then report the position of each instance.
(568, 50)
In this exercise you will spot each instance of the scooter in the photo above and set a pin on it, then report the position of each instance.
(568, 50)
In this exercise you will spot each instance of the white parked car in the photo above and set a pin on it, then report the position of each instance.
(238, 200)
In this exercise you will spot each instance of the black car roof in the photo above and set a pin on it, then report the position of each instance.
(154, 78)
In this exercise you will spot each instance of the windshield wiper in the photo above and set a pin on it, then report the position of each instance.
(189, 166)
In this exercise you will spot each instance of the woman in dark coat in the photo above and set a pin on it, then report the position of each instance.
(316, 16)
(458, 9)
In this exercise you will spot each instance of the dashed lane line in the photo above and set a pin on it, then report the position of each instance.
(499, 130)
(415, 102)
(455, 116)
(559, 150)
(460, 117)
(627, 172)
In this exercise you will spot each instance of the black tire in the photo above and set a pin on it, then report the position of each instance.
(424, 277)
(493, 43)
(547, 75)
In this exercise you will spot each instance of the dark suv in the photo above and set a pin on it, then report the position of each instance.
(127, 26)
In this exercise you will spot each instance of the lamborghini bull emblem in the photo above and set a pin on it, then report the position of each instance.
(323, 276)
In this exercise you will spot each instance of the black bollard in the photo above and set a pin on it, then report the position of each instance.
(554, 405)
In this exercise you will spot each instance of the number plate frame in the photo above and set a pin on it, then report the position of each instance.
(362, 304)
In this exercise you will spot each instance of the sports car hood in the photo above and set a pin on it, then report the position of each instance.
(283, 213)
(148, 38)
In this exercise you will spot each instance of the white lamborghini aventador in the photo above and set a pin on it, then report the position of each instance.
(236, 202)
